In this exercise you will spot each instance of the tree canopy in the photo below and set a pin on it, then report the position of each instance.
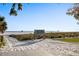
(74, 11)
(13, 10)
(3, 24)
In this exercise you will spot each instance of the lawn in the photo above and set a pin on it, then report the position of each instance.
(70, 39)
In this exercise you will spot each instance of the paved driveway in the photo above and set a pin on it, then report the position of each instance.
(47, 47)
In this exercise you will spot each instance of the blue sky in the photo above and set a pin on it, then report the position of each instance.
(51, 17)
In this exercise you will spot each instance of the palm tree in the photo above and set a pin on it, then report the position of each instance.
(13, 8)
(3, 26)
(13, 11)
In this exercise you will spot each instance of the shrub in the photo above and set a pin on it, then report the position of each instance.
(23, 37)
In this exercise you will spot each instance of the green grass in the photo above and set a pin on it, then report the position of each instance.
(70, 39)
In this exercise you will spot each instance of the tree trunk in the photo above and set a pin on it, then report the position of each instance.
(2, 37)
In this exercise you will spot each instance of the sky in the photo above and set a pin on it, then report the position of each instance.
(47, 16)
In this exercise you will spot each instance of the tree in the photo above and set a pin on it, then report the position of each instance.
(74, 11)
(3, 26)
(13, 11)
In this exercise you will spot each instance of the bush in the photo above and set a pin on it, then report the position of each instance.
(23, 37)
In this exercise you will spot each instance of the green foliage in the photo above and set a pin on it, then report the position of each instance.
(53, 35)
(23, 37)
(13, 10)
(2, 18)
(19, 6)
(3, 27)
(74, 11)
(70, 39)
(57, 35)
(3, 24)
